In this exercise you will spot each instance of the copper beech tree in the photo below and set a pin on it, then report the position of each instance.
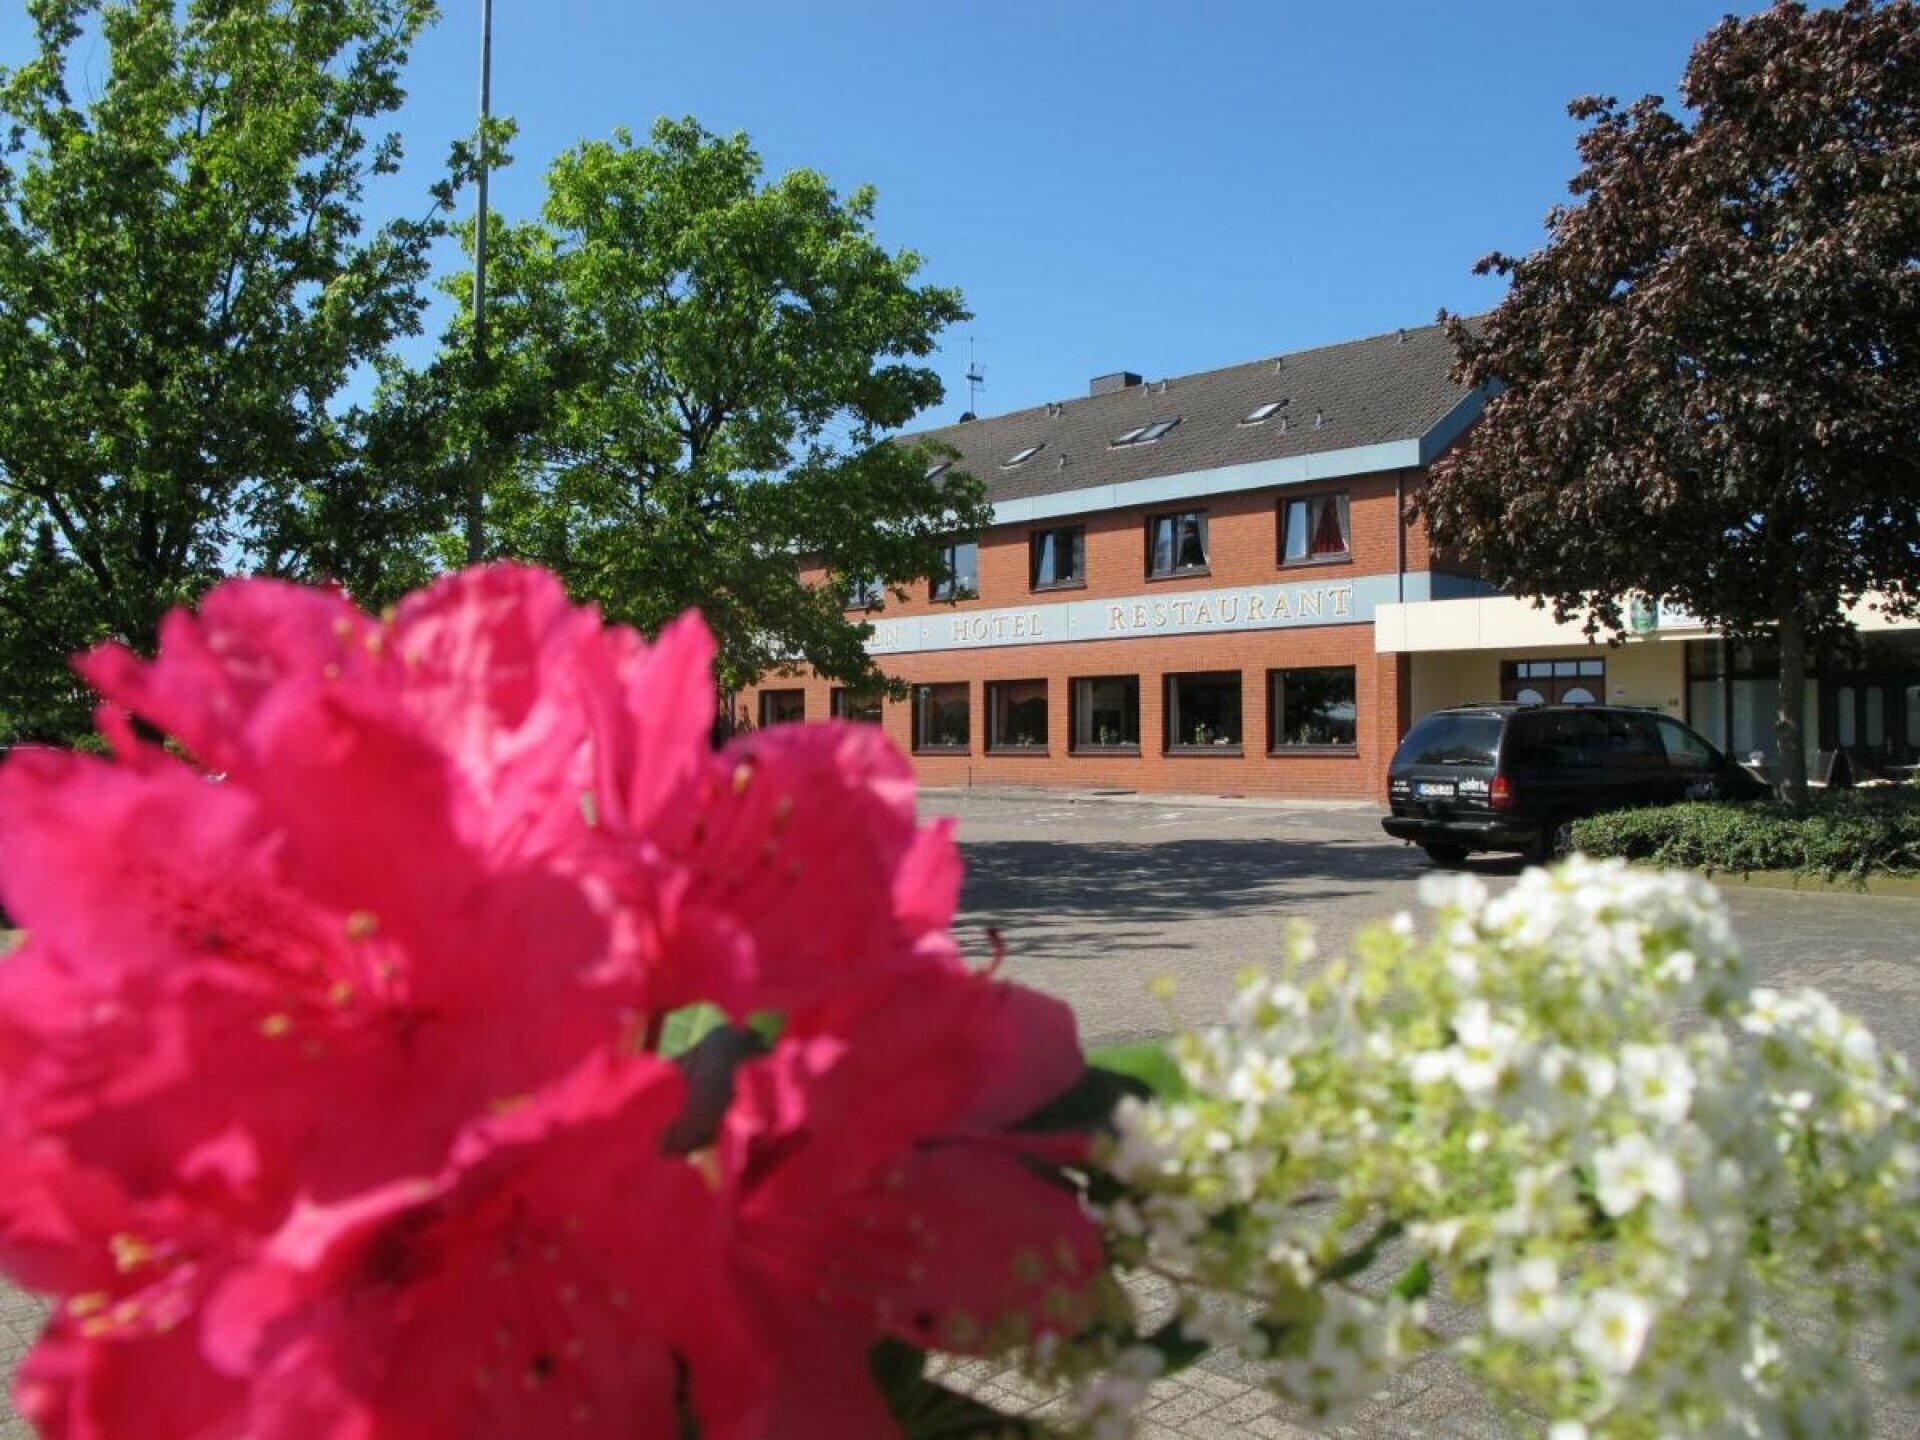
(1706, 386)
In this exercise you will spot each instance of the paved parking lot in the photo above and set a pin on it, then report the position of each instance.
(1097, 895)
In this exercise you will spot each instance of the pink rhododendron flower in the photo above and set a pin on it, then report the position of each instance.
(321, 1098)
(876, 1191)
(550, 1281)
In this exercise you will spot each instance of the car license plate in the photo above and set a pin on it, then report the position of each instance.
(1433, 789)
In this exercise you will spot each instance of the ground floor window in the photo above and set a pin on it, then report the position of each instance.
(1311, 707)
(940, 718)
(1203, 711)
(782, 707)
(1106, 713)
(1733, 698)
(864, 705)
(1017, 715)
(1553, 682)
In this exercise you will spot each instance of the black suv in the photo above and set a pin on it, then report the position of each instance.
(1516, 777)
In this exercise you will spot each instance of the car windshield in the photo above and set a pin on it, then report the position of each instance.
(1451, 740)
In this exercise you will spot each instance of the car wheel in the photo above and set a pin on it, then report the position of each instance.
(1556, 840)
(1446, 856)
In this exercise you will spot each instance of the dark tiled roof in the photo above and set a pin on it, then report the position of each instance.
(1390, 387)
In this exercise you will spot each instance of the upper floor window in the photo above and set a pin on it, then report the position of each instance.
(1177, 544)
(865, 592)
(1314, 527)
(959, 577)
(1058, 557)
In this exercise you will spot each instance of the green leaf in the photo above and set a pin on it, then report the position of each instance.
(1087, 1105)
(1148, 1061)
(688, 1026)
(1417, 1283)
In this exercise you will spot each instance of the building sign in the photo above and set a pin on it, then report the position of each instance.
(1645, 616)
(1187, 612)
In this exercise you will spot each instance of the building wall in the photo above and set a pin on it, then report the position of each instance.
(1243, 549)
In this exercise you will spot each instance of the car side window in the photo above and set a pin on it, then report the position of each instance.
(1685, 750)
(1576, 740)
(1633, 743)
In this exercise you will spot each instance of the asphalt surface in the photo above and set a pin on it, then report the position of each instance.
(1094, 896)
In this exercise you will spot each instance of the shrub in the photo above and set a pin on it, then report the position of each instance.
(1848, 834)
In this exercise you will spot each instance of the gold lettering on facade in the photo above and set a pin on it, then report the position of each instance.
(1116, 617)
(1342, 599)
(1310, 602)
(1281, 609)
(1256, 609)
(1159, 614)
(1203, 613)
(1229, 609)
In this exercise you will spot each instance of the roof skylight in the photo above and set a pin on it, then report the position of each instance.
(1260, 414)
(938, 468)
(1146, 434)
(1023, 456)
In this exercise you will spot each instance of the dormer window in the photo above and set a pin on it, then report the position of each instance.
(1021, 457)
(1146, 434)
(1260, 414)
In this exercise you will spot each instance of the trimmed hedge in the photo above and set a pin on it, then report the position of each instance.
(1849, 834)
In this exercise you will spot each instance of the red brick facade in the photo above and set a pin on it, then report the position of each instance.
(1243, 550)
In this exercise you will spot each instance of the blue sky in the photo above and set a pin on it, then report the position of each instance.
(1158, 187)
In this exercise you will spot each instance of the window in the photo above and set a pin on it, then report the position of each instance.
(1058, 557)
(782, 707)
(1106, 713)
(1022, 456)
(959, 577)
(1313, 707)
(940, 718)
(1553, 682)
(1314, 528)
(1260, 414)
(859, 705)
(1203, 712)
(1685, 750)
(1177, 544)
(865, 593)
(1017, 715)
(938, 468)
(1146, 434)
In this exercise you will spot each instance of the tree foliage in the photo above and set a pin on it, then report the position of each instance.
(185, 289)
(1707, 383)
(689, 378)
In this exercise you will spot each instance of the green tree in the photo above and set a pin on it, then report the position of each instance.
(691, 374)
(185, 289)
(1707, 384)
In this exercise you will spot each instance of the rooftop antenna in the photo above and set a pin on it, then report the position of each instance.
(976, 379)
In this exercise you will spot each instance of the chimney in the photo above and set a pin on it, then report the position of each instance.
(1107, 384)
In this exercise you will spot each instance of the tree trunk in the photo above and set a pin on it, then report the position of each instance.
(1792, 713)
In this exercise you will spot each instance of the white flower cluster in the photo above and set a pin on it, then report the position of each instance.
(1666, 1200)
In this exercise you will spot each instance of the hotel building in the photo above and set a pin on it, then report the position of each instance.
(1206, 585)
